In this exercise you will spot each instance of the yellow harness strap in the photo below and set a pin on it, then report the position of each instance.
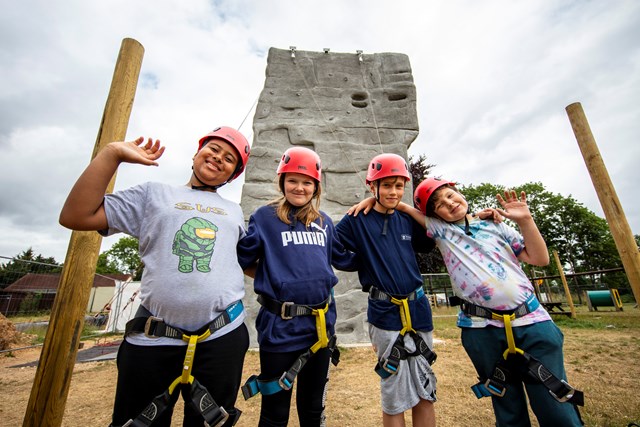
(508, 330)
(321, 328)
(405, 315)
(186, 377)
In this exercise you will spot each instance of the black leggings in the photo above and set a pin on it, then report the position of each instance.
(146, 371)
(310, 391)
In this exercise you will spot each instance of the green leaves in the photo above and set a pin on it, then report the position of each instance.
(122, 257)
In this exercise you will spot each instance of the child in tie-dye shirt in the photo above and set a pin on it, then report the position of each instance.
(482, 258)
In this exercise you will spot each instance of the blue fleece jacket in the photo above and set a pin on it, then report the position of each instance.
(294, 265)
(388, 262)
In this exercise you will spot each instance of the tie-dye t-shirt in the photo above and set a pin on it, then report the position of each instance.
(484, 268)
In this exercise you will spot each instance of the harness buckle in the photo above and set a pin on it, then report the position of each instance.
(283, 311)
(495, 388)
(567, 396)
(222, 418)
(150, 326)
(286, 381)
(390, 365)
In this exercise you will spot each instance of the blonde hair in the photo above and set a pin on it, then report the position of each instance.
(305, 214)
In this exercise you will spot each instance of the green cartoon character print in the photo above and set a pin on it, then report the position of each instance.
(194, 242)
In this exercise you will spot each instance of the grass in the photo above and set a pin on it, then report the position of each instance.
(601, 351)
(37, 331)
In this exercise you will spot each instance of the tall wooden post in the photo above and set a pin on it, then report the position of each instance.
(620, 230)
(567, 292)
(51, 383)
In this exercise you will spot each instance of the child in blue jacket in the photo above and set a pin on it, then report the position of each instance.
(295, 246)
(399, 314)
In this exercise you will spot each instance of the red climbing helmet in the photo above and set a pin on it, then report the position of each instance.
(300, 160)
(385, 165)
(425, 189)
(236, 139)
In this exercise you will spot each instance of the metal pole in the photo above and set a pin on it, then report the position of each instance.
(51, 383)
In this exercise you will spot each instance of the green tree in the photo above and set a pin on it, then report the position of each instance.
(24, 263)
(123, 257)
(419, 169)
(104, 266)
(581, 238)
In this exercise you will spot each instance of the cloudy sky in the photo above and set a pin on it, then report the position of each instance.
(493, 81)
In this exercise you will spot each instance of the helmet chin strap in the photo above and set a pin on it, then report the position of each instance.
(467, 231)
(467, 228)
(204, 186)
(385, 224)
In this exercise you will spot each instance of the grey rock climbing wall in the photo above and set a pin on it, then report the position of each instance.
(347, 107)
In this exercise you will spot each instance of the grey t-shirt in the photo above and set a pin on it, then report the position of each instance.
(188, 244)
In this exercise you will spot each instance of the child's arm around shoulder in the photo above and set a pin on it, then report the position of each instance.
(367, 204)
(84, 209)
(535, 251)
(414, 213)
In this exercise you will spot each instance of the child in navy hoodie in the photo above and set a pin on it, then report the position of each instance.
(399, 315)
(294, 245)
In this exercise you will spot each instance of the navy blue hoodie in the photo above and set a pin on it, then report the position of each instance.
(388, 262)
(294, 265)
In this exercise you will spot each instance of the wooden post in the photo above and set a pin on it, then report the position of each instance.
(620, 230)
(53, 376)
(567, 292)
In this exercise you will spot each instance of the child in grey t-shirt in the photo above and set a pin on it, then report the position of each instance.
(192, 285)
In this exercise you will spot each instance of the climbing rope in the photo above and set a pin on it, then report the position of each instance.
(248, 112)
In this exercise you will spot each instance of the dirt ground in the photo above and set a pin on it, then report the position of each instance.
(604, 364)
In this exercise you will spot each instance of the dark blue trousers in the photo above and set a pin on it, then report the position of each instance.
(543, 341)
(146, 371)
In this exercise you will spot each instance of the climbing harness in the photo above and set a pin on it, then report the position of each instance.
(194, 394)
(515, 363)
(287, 311)
(389, 366)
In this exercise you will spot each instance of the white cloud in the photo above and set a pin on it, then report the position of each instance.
(493, 80)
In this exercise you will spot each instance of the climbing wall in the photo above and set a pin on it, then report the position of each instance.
(347, 107)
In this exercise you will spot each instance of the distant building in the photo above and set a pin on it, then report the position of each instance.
(36, 292)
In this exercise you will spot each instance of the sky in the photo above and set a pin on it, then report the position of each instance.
(493, 79)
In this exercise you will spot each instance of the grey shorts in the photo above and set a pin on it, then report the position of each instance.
(415, 379)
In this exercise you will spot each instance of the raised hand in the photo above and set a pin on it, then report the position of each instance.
(535, 249)
(513, 208)
(137, 151)
(84, 209)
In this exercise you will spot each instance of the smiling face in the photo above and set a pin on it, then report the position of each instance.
(449, 205)
(298, 189)
(214, 163)
(388, 192)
